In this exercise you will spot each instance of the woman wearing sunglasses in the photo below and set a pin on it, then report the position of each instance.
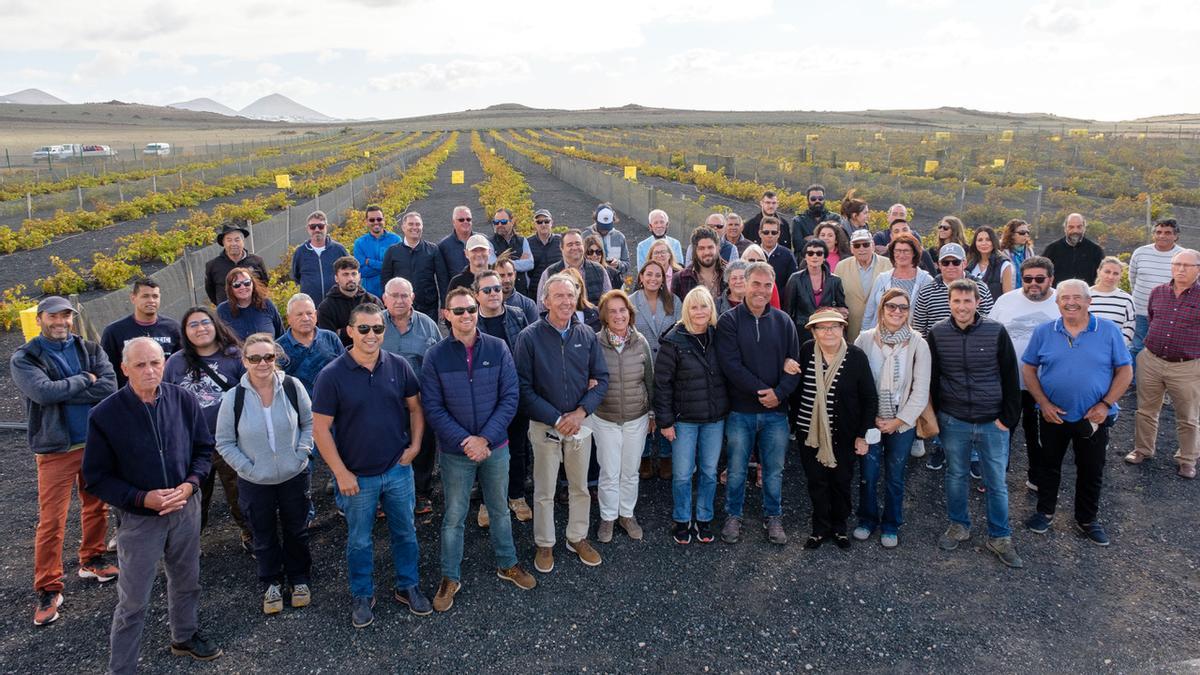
(248, 309)
(1017, 243)
(593, 250)
(264, 431)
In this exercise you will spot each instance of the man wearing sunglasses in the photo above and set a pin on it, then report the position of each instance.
(312, 263)
(858, 274)
(805, 223)
(368, 425)
(453, 246)
(370, 249)
(505, 238)
(334, 311)
(479, 252)
(545, 246)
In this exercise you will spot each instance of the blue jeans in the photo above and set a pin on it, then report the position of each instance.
(770, 432)
(393, 489)
(695, 446)
(1141, 326)
(657, 446)
(458, 475)
(958, 438)
(889, 456)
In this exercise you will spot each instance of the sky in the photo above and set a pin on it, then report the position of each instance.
(1103, 60)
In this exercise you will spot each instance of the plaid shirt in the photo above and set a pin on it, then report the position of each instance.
(1174, 323)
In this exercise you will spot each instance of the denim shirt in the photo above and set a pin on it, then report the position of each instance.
(422, 334)
(304, 363)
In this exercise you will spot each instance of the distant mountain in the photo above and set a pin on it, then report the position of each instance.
(278, 107)
(32, 97)
(205, 105)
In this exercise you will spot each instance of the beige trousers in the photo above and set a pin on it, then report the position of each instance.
(1182, 382)
(574, 455)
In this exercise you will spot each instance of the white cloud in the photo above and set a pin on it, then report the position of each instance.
(268, 69)
(107, 64)
(920, 5)
(456, 75)
(1056, 17)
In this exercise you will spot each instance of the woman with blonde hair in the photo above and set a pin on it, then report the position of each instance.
(662, 253)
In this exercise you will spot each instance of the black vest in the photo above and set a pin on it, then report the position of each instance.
(593, 278)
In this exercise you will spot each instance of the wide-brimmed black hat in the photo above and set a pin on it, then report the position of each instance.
(231, 227)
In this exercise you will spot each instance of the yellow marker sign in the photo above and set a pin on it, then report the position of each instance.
(631, 173)
(1006, 135)
(569, 147)
(941, 135)
(931, 165)
(283, 181)
(456, 178)
(998, 163)
(1098, 137)
(492, 150)
(853, 166)
(699, 168)
(879, 135)
(366, 153)
(1077, 133)
(1055, 139)
(29, 326)
(812, 137)
(1141, 137)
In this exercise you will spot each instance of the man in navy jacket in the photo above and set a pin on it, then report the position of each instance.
(312, 263)
(148, 450)
(469, 389)
(560, 387)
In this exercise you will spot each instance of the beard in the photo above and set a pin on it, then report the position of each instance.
(1074, 239)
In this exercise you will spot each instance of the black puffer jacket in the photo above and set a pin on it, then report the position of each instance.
(688, 383)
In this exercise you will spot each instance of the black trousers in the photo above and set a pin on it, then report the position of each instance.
(829, 489)
(423, 464)
(270, 509)
(1089, 468)
(518, 456)
(1031, 425)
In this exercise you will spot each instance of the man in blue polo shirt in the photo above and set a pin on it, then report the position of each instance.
(367, 392)
(1076, 368)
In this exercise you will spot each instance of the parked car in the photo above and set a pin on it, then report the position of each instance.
(160, 149)
(98, 151)
(62, 151)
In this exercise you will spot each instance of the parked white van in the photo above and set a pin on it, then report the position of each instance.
(160, 149)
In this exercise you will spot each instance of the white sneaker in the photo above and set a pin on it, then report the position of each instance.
(918, 448)
(861, 533)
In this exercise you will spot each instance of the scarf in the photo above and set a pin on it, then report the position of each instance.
(893, 346)
(820, 431)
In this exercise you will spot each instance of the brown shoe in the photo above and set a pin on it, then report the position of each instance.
(517, 574)
(444, 600)
(1135, 457)
(646, 470)
(631, 527)
(1187, 471)
(543, 560)
(664, 468)
(587, 555)
(520, 509)
(604, 531)
(484, 520)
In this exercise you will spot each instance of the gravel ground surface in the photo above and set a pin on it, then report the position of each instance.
(657, 606)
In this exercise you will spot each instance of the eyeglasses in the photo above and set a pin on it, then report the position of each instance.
(242, 284)
(595, 251)
(1023, 233)
(488, 290)
(374, 220)
(861, 244)
(256, 359)
(542, 222)
(459, 311)
(1183, 265)
(316, 226)
(944, 228)
(769, 233)
(893, 307)
(500, 221)
(827, 327)
(363, 329)
(810, 254)
(198, 324)
(949, 262)
(463, 220)
(1034, 279)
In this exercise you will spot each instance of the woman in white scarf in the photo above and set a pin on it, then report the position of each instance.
(901, 363)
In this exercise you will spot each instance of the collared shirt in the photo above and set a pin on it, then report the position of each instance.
(1174, 323)
(1076, 372)
(305, 362)
(412, 344)
(369, 410)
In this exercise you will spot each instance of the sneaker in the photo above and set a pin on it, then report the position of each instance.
(98, 568)
(47, 607)
(976, 473)
(1030, 486)
(423, 507)
(443, 600)
(1005, 551)
(703, 531)
(413, 597)
(936, 459)
(1095, 533)
(918, 448)
(774, 528)
(604, 531)
(631, 527)
(483, 519)
(361, 615)
(861, 533)
(731, 532)
(517, 574)
(520, 509)
(301, 596)
(682, 533)
(273, 599)
(1039, 522)
(543, 560)
(889, 540)
(198, 647)
(954, 535)
(813, 542)
(587, 555)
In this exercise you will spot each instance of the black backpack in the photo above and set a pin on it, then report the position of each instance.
(239, 401)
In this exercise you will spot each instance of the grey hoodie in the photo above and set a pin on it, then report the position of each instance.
(250, 453)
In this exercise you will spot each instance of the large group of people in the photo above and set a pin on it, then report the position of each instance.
(591, 364)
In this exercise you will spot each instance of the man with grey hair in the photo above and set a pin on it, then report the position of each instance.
(563, 378)
(658, 221)
(419, 261)
(733, 234)
(148, 450)
(1075, 256)
(312, 263)
(453, 247)
(1076, 367)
